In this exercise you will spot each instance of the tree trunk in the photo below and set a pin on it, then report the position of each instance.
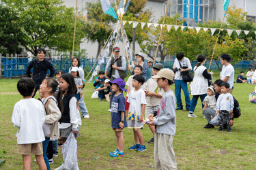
(161, 53)
(99, 46)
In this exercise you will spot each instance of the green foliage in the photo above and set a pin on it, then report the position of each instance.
(11, 35)
(46, 23)
(136, 6)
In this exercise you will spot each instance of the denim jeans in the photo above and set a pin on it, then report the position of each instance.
(45, 145)
(208, 113)
(180, 84)
(37, 87)
(55, 147)
(82, 106)
(101, 94)
(194, 102)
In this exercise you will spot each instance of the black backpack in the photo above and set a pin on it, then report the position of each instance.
(237, 110)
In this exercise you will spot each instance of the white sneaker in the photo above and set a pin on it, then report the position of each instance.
(51, 161)
(62, 167)
(192, 115)
(87, 116)
(109, 110)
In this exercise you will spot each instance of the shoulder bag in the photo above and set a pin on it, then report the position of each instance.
(186, 76)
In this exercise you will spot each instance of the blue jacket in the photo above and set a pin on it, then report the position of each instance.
(99, 83)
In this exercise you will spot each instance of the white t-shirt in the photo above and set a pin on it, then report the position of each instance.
(230, 72)
(184, 63)
(136, 99)
(29, 116)
(249, 74)
(129, 84)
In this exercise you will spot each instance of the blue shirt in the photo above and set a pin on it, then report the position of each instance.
(117, 106)
(149, 73)
(99, 83)
(239, 77)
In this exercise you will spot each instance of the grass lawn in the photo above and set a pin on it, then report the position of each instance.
(195, 147)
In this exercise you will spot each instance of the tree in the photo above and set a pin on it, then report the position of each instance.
(234, 16)
(11, 35)
(45, 23)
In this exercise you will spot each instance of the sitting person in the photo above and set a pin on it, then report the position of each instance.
(99, 81)
(240, 78)
(104, 90)
(209, 106)
(249, 75)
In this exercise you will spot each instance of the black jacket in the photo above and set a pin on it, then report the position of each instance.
(39, 70)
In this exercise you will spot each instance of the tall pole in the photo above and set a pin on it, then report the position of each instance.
(74, 38)
(133, 38)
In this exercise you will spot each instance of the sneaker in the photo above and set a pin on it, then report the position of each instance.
(117, 154)
(135, 147)
(151, 140)
(86, 116)
(101, 99)
(60, 145)
(109, 110)
(142, 148)
(179, 108)
(208, 126)
(55, 155)
(192, 115)
(220, 129)
(62, 167)
(51, 161)
(114, 151)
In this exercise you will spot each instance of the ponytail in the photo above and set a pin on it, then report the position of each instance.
(200, 59)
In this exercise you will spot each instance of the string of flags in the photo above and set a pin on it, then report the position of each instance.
(176, 27)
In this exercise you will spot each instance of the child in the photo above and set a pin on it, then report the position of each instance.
(153, 96)
(165, 123)
(70, 119)
(240, 78)
(78, 82)
(137, 102)
(137, 71)
(53, 114)
(76, 63)
(29, 116)
(224, 107)
(118, 118)
(105, 90)
(209, 105)
(58, 73)
(99, 81)
(249, 75)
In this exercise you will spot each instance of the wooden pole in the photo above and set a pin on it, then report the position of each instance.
(161, 32)
(74, 38)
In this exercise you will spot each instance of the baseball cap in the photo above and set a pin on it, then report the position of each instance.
(211, 88)
(165, 73)
(74, 69)
(116, 48)
(158, 66)
(107, 81)
(120, 82)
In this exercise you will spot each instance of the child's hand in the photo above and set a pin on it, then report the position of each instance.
(141, 119)
(121, 125)
(75, 132)
(151, 117)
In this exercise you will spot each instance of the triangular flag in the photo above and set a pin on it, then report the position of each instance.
(198, 29)
(142, 24)
(124, 22)
(205, 29)
(169, 27)
(130, 22)
(161, 26)
(135, 24)
(246, 32)
(190, 28)
(176, 27)
(238, 32)
(156, 25)
(213, 30)
(230, 32)
(149, 24)
(182, 28)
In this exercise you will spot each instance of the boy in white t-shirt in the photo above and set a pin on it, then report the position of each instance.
(228, 73)
(137, 100)
(29, 116)
(153, 96)
(137, 70)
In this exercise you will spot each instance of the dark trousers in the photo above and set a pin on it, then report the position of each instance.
(37, 87)
(101, 94)
(224, 119)
(50, 150)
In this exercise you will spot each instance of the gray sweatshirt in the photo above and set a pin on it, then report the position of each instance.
(166, 116)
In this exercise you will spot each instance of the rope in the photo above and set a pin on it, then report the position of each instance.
(161, 32)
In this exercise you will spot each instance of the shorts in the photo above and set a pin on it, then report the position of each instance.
(127, 105)
(27, 149)
(78, 96)
(64, 133)
(135, 124)
(150, 110)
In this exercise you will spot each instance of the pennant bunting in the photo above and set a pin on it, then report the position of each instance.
(213, 30)
(142, 24)
(149, 24)
(130, 22)
(182, 28)
(156, 25)
(124, 22)
(230, 32)
(169, 27)
(246, 32)
(176, 27)
(205, 29)
(238, 32)
(198, 29)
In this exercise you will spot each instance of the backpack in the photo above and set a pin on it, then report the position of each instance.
(237, 110)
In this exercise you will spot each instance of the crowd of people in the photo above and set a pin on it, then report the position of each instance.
(47, 122)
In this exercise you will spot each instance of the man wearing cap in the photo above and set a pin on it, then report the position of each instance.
(140, 61)
(116, 67)
(149, 71)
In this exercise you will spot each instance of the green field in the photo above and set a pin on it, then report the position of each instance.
(195, 147)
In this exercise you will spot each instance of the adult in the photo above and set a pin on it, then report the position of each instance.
(40, 66)
(140, 61)
(249, 75)
(150, 69)
(116, 67)
(181, 64)
(228, 73)
(199, 84)
(77, 63)
(208, 114)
